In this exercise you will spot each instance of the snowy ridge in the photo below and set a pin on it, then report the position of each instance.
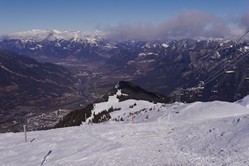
(212, 133)
(125, 108)
(200, 111)
(244, 101)
(40, 35)
(197, 111)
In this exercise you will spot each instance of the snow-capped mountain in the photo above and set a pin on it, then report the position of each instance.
(172, 65)
(173, 68)
(38, 35)
(56, 44)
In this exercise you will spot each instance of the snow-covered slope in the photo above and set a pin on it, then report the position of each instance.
(199, 111)
(213, 133)
(125, 109)
(244, 101)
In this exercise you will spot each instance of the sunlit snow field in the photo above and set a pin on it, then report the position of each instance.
(213, 133)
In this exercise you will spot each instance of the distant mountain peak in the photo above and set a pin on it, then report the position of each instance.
(53, 34)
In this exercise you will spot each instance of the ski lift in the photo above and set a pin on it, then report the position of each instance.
(191, 95)
(229, 70)
(215, 87)
(201, 84)
(200, 92)
(186, 93)
(247, 74)
(177, 97)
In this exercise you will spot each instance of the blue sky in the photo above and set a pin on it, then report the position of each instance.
(89, 15)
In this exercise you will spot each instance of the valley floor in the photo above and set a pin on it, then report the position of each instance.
(214, 133)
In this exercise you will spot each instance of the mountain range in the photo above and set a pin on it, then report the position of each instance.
(172, 65)
(90, 64)
(129, 101)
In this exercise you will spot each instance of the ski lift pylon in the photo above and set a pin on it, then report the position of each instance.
(229, 70)
(201, 84)
(215, 87)
(247, 74)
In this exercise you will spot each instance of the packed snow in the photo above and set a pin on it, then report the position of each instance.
(212, 133)
(244, 101)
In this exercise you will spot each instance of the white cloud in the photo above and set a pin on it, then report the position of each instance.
(186, 24)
